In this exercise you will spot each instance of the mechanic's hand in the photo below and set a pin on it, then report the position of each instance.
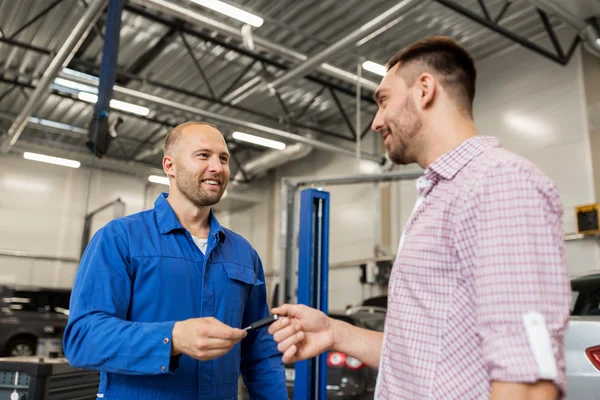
(204, 338)
(303, 332)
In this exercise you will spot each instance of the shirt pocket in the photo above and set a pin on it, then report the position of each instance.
(241, 280)
(241, 274)
(238, 283)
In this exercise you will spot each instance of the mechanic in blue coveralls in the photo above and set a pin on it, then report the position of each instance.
(160, 296)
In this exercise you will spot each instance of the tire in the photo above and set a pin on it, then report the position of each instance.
(21, 346)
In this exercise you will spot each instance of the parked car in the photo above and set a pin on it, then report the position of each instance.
(582, 342)
(347, 377)
(28, 314)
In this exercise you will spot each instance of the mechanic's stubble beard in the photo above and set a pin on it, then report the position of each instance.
(191, 188)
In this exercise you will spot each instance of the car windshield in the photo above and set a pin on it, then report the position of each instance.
(37, 301)
(574, 297)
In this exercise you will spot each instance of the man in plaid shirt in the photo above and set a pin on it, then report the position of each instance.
(478, 299)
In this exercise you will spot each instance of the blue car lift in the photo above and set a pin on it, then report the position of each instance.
(313, 275)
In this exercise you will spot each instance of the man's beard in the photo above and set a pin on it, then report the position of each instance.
(191, 187)
(408, 125)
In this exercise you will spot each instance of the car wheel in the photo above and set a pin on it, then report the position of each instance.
(19, 347)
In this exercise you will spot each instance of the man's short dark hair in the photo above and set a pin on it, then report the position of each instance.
(448, 59)
(170, 146)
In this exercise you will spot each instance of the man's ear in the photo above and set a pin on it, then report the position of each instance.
(168, 165)
(427, 90)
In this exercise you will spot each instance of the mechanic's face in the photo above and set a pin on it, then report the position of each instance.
(202, 165)
(397, 119)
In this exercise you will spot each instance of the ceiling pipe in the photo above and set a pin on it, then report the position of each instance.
(62, 58)
(588, 31)
(183, 13)
(144, 97)
(257, 167)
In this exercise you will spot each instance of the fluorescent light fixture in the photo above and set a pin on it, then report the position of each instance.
(244, 137)
(231, 11)
(375, 68)
(56, 125)
(89, 97)
(116, 104)
(159, 179)
(75, 85)
(82, 75)
(132, 108)
(51, 160)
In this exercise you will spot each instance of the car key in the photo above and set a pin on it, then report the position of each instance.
(262, 323)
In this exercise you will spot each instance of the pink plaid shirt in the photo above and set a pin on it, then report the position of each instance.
(481, 251)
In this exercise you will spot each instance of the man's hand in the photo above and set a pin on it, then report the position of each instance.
(303, 332)
(204, 338)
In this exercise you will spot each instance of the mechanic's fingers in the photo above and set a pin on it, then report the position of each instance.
(278, 325)
(206, 355)
(286, 332)
(226, 332)
(288, 356)
(290, 341)
(215, 343)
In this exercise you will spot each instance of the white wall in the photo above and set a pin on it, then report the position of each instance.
(42, 212)
(537, 108)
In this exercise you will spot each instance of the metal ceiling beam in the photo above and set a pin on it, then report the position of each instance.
(586, 30)
(456, 7)
(186, 14)
(144, 97)
(23, 85)
(153, 16)
(151, 54)
(244, 124)
(311, 64)
(62, 58)
(25, 46)
(91, 68)
(91, 37)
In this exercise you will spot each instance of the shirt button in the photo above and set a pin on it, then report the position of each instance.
(163, 368)
(166, 340)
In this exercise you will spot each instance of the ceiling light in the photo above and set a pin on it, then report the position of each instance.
(75, 85)
(116, 104)
(274, 144)
(81, 75)
(57, 125)
(51, 160)
(132, 108)
(375, 68)
(159, 179)
(231, 11)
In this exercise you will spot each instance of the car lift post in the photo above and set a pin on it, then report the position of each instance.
(313, 275)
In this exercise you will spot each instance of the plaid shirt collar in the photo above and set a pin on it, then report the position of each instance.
(450, 163)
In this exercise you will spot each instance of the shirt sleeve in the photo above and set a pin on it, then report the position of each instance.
(261, 364)
(522, 290)
(97, 335)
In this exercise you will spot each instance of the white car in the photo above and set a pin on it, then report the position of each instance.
(582, 342)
